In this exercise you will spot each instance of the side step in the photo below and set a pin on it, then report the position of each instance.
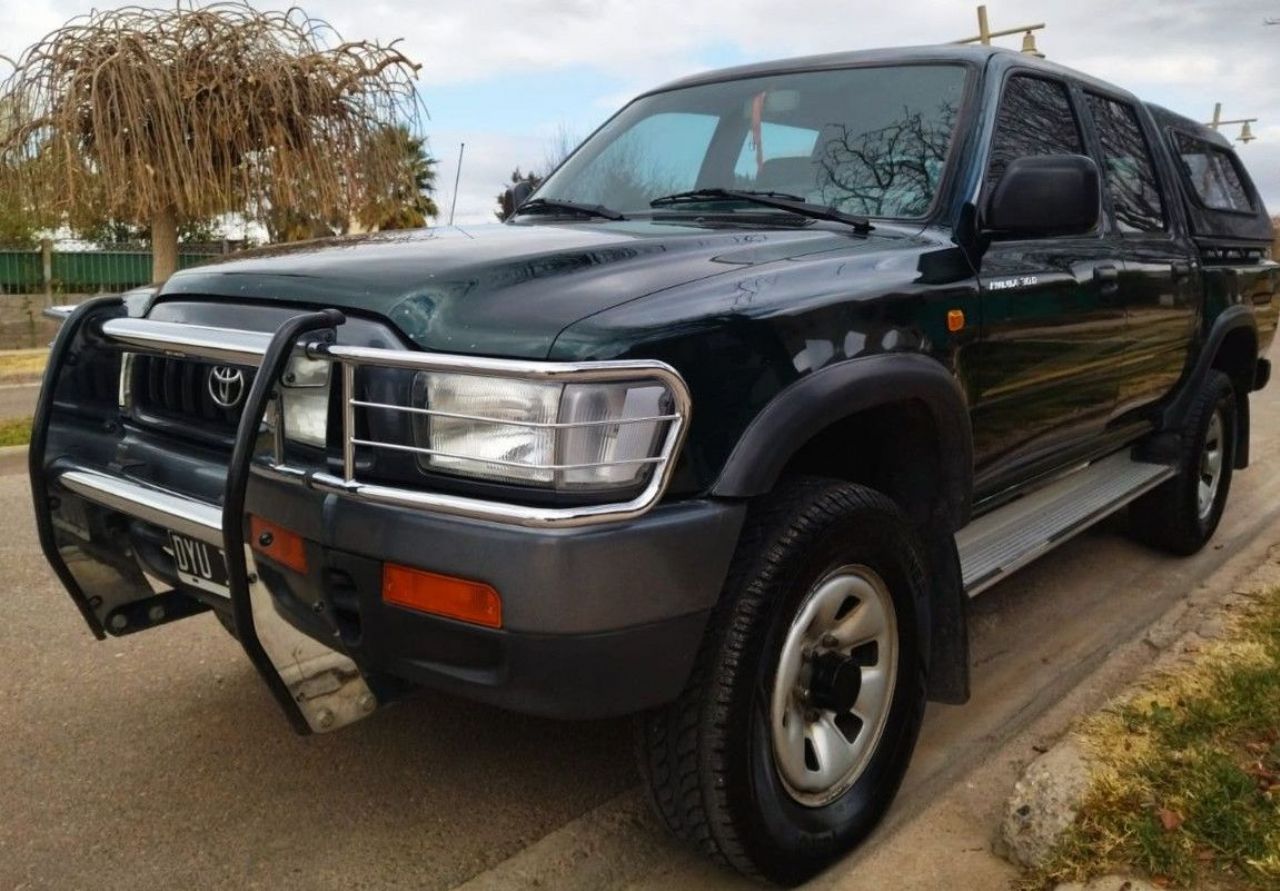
(997, 544)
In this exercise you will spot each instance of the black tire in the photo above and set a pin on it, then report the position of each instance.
(1170, 517)
(708, 760)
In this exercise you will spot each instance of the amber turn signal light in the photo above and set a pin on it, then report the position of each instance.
(442, 595)
(955, 320)
(277, 543)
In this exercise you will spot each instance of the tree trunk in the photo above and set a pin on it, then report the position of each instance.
(164, 244)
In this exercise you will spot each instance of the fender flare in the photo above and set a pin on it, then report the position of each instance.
(1230, 320)
(808, 406)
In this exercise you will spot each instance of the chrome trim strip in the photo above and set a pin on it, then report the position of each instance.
(58, 313)
(162, 508)
(229, 345)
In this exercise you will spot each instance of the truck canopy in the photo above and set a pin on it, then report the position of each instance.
(1223, 206)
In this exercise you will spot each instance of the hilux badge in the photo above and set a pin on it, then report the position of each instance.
(226, 385)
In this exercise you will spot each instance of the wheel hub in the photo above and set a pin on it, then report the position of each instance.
(834, 684)
(1210, 465)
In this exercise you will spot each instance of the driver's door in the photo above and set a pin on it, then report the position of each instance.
(1044, 374)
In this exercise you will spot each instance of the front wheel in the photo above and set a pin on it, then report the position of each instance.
(798, 722)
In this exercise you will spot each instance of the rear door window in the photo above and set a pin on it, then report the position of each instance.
(1128, 168)
(1212, 173)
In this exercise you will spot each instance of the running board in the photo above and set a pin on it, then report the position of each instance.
(999, 543)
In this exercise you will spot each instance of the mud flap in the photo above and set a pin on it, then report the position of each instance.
(104, 534)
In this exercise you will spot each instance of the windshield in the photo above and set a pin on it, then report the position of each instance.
(865, 141)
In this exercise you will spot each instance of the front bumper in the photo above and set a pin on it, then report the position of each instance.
(598, 620)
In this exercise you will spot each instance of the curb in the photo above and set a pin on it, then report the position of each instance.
(1051, 789)
(13, 460)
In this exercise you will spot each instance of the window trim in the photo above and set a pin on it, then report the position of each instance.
(1185, 174)
(1162, 185)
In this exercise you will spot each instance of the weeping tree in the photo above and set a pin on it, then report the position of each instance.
(407, 202)
(160, 116)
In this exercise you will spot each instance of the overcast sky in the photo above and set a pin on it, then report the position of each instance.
(505, 75)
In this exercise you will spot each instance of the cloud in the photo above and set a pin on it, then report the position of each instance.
(1186, 54)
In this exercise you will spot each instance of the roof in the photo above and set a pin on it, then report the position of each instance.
(964, 53)
(1166, 118)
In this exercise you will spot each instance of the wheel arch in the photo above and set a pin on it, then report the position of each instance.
(897, 423)
(1231, 346)
(904, 408)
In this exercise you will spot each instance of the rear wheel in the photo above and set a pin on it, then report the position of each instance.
(1181, 515)
(797, 725)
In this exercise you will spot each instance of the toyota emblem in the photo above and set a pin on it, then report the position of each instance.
(226, 385)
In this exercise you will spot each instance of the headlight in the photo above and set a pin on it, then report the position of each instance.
(304, 400)
(562, 436)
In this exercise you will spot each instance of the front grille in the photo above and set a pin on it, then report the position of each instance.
(186, 391)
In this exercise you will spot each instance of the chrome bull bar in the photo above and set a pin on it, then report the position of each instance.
(251, 348)
(318, 688)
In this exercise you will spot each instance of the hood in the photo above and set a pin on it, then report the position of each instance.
(500, 290)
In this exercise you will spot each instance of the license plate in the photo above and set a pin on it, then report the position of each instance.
(199, 564)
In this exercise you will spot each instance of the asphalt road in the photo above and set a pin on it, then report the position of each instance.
(159, 760)
(18, 400)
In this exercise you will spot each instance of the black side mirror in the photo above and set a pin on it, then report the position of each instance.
(1046, 195)
(515, 196)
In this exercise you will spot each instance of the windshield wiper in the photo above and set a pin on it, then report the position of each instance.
(780, 200)
(537, 205)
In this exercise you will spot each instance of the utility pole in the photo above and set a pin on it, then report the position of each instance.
(985, 34)
(1246, 132)
(453, 205)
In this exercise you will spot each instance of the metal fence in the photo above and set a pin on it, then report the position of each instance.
(51, 269)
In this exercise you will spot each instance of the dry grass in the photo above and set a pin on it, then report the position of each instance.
(1187, 785)
(22, 366)
(15, 432)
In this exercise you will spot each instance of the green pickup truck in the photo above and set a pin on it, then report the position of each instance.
(722, 427)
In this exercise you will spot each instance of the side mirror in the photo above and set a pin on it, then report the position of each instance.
(1046, 195)
(515, 196)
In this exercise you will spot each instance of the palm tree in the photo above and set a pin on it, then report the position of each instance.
(407, 202)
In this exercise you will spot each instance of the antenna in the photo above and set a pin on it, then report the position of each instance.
(462, 148)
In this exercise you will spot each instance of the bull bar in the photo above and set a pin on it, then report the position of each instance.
(318, 688)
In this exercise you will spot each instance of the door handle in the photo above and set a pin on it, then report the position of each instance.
(1107, 275)
(1180, 268)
